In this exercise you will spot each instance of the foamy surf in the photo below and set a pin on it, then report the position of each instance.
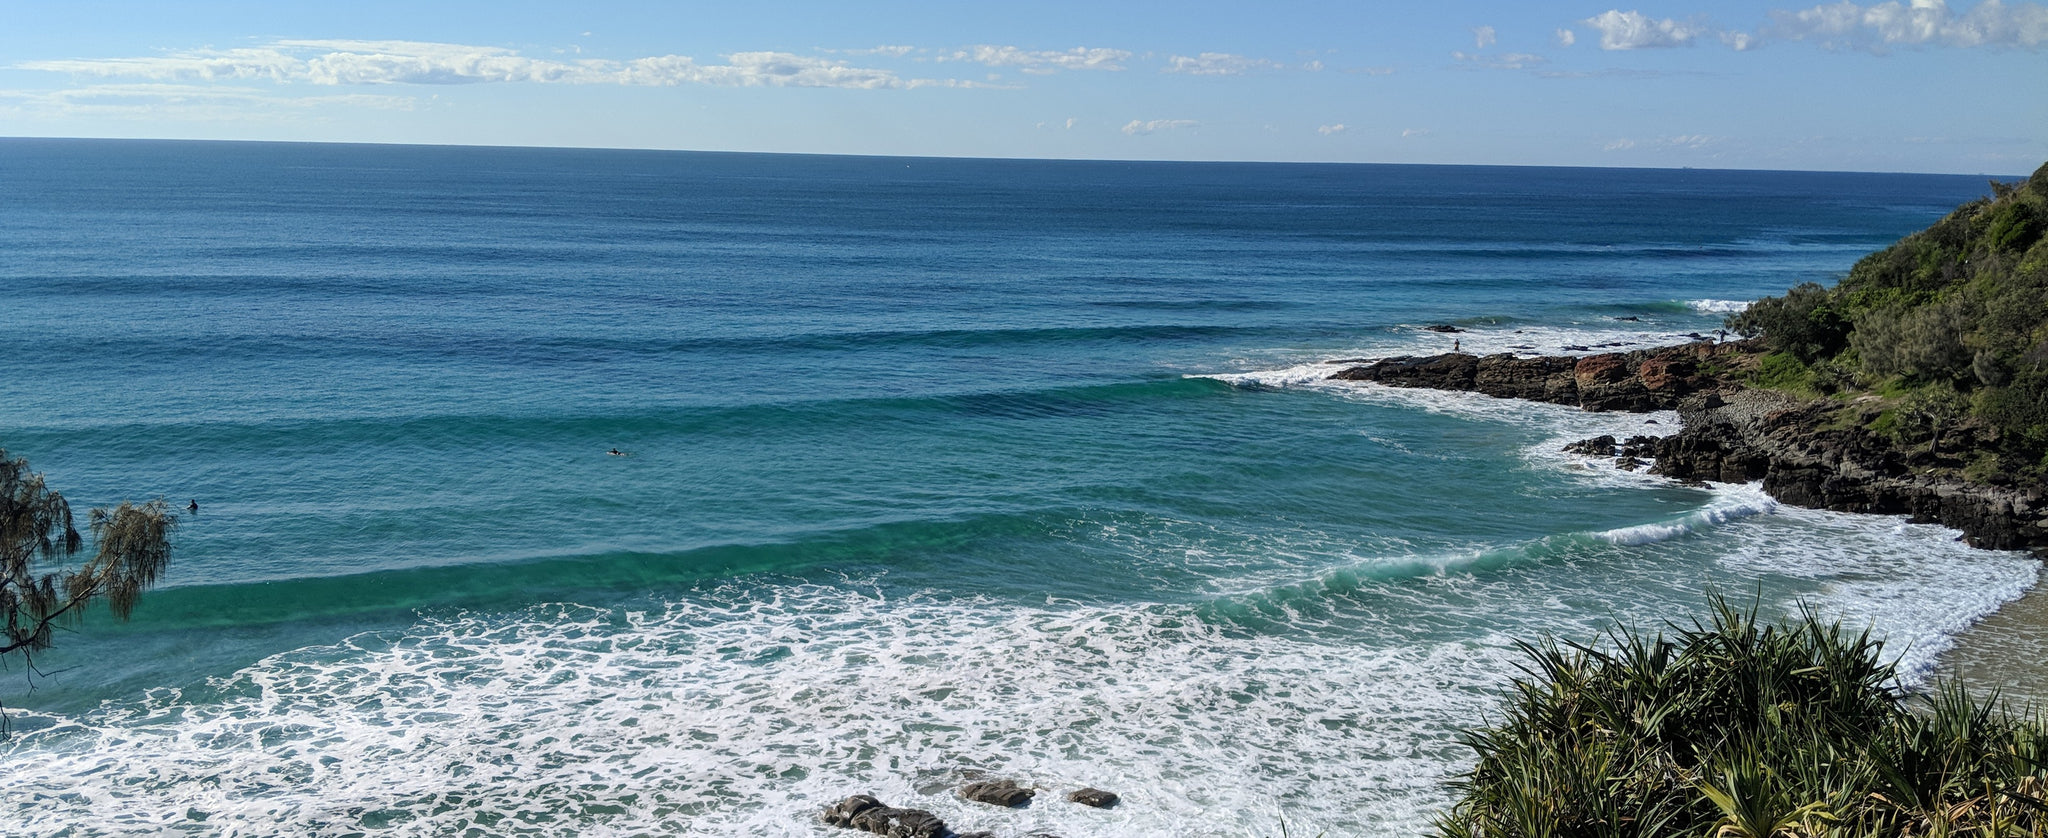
(745, 712)
(1916, 585)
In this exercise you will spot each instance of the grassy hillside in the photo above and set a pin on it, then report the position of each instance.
(1946, 331)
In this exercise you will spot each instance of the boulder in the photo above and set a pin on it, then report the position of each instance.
(867, 814)
(1599, 446)
(997, 793)
(1094, 797)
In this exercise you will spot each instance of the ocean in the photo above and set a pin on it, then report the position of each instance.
(929, 469)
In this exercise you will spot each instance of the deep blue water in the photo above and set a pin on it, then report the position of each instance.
(933, 466)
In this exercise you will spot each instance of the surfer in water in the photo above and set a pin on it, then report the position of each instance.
(616, 453)
(193, 507)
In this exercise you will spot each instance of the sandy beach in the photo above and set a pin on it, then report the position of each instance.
(2007, 651)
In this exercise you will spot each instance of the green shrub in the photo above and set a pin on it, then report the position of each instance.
(1925, 343)
(2016, 225)
(1804, 322)
(1737, 728)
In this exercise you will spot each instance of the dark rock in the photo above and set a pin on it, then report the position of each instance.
(900, 823)
(1094, 797)
(1808, 454)
(997, 793)
(1628, 463)
(1631, 319)
(865, 813)
(842, 813)
(1599, 446)
(1454, 371)
(974, 835)
(1448, 330)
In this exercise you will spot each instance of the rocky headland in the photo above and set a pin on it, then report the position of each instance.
(1811, 452)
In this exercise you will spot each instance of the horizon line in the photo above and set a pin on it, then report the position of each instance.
(2021, 176)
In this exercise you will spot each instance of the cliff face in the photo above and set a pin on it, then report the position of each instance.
(1819, 454)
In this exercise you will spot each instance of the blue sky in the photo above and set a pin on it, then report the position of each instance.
(1917, 85)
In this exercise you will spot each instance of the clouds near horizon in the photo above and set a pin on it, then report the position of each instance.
(1839, 25)
(1267, 85)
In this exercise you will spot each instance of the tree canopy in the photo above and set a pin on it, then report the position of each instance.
(39, 588)
(1952, 319)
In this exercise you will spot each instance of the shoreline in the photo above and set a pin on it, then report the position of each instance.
(2006, 651)
(1797, 448)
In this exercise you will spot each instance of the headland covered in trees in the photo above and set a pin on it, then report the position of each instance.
(1917, 385)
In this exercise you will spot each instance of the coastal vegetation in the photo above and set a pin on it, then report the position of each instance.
(1739, 729)
(37, 531)
(1944, 335)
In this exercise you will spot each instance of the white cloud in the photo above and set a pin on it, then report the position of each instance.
(186, 101)
(1072, 121)
(1840, 25)
(758, 69)
(1503, 61)
(1042, 61)
(1623, 144)
(1136, 127)
(1328, 130)
(893, 51)
(1920, 23)
(1566, 37)
(1415, 132)
(340, 62)
(1634, 30)
(1483, 36)
(1218, 64)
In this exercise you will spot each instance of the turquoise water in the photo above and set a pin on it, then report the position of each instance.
(933, 466)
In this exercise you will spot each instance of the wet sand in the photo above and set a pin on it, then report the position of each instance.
(2007, 651)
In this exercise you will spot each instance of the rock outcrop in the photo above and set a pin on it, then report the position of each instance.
(1812, 453)
(867, 814)
(1819, 454)
(1004, 793)
(1643, 380)
(1094, 797)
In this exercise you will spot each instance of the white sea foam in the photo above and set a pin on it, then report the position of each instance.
(1916, 585)
(1717, 306)
(744, 713)
(1733, 504)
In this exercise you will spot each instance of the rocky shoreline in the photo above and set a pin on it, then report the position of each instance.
(1815, 453)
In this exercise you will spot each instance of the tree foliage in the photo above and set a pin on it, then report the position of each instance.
(38, 537)
(1960, 307)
